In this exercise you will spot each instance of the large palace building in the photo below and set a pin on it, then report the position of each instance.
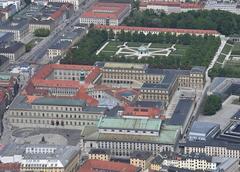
(154, 84)
(74, 96)
(56, 98)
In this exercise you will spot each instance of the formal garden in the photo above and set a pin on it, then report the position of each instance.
(162, 50)
(228, 63)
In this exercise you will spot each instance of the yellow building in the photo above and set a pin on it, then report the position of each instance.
(141, 159)
(154, 84)
(100, 154)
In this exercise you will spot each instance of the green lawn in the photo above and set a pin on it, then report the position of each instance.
(221, 58)
(226, 48)
(157, 45)
(134, 44)
(236, 49)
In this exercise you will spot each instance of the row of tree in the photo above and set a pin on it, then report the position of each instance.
(86, 49)
(212, 105)
(41, 32)
(227, 71)
(225, 22)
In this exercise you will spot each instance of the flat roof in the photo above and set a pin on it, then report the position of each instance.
(105, 10)
(125, 65)
(129, 123)
(58, 101)
(203, 127)
(168, 135)
(181, 112)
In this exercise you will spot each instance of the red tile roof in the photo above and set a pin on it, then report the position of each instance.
(172, 4)
(10, 167)
(148, 29)
(105, 10)
(99, 165)
(141, 111)
(39, 81)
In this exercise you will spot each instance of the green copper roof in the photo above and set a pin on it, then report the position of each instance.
(5, 77)
(128, 123)
(168, 135)
(58, 102)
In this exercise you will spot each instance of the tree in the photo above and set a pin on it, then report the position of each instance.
(42, 32)
(212, 105)
(27, 2)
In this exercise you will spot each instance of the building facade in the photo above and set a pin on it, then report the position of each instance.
(124, 136)
(42, 157)
(154, 84)
(106, 14)
(64, 113)
(20, 28)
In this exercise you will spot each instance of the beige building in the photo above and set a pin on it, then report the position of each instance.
(58, 50)
(13, 51)
(41, 157)
(35, 24)
(123, 136)
(154, 84)
(99, 154)
(20, 28)
(44, 112)
(141, 159)
(213, 148)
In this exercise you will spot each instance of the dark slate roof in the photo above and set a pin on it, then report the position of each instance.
(198, 69)
(12, 48)
(157, 160)
(212, 142)
(236, 116)
(143, 155)
(100, 151)
(59, 102)
(14, 25)
(158, 104)
(60, 45)
(181, 111)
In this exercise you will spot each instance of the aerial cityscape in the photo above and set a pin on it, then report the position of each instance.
(119, 85)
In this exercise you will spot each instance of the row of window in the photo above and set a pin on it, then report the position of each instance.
(52, 122)
(48, 115)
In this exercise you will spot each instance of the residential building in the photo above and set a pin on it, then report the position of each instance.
(156, 163)
(106, 14)
(58, 49)
(41, 157)
(10, 167)
(13, 51)
(99, 154)
(146, 30)
(99, 165)
(213, 148)
(201, 162)
(5, 3)
(76, 3)
(20, 28)
(35, 24)
(6, 38)
(123, 136)
(141, 159)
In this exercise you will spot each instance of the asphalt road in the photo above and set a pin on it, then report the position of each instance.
(35, 55)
